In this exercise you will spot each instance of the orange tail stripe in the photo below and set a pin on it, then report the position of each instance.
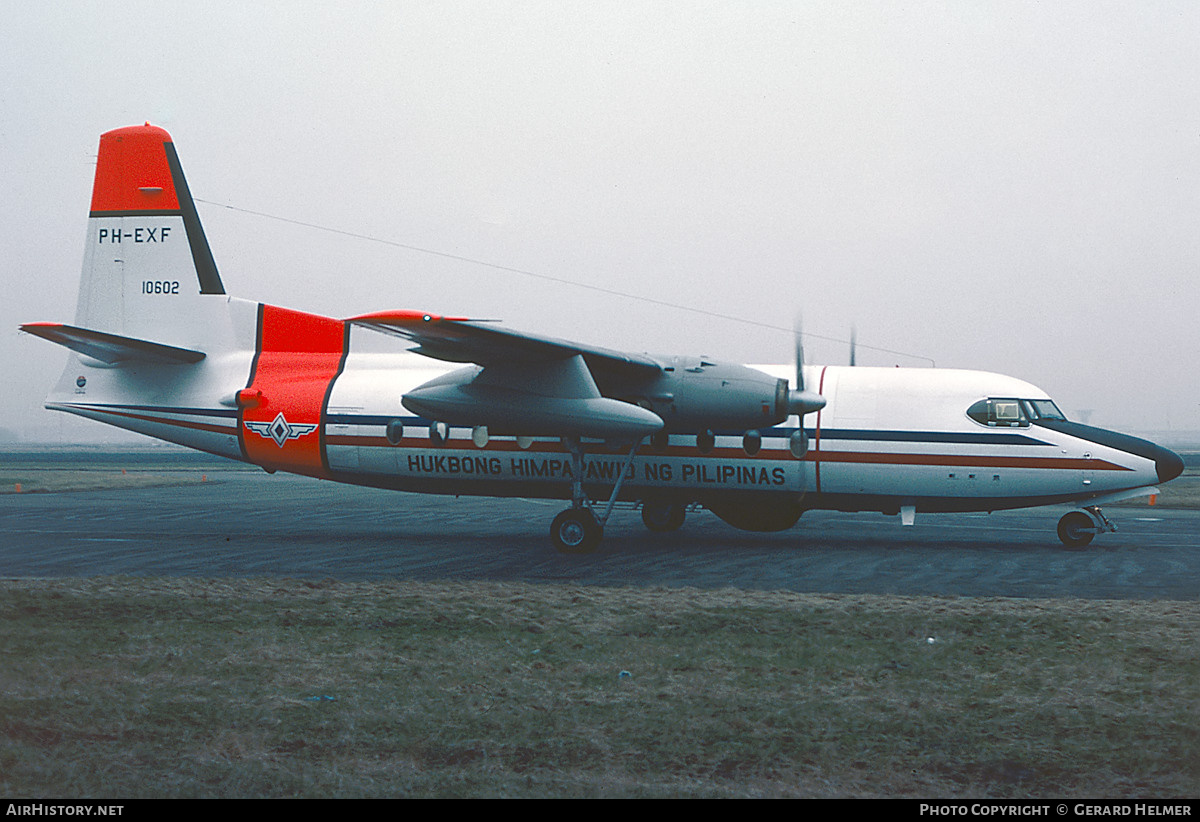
(299, 357)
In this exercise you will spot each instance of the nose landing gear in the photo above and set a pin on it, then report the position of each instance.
(1077, 528)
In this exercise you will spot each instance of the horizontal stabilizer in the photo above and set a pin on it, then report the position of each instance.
(112, 348)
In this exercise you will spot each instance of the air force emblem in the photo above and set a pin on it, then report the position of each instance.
(279, 429)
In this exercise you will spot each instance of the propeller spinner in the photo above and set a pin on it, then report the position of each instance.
(800, 400)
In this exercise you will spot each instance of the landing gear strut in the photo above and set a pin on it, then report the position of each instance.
(1077, 528)
(578, 530)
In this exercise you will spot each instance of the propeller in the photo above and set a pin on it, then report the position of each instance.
(800, 400)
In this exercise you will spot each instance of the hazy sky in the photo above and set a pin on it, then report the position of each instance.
(1007, 186)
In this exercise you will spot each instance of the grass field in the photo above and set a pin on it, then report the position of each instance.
(38, 482)
(173, 688)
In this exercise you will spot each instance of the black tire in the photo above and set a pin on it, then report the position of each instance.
(662, 517)
(1076, 529)
(575, 531)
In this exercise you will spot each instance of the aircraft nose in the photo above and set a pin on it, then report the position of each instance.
(1168, 463)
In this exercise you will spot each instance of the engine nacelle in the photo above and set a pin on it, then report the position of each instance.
(698, 394)
(561, 397)
(555, 397)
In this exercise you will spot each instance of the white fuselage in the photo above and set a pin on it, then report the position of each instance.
(888, 437)
(159, 348)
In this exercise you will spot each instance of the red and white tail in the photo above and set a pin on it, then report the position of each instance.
(148, 275)
(147, 258)
(158, 345)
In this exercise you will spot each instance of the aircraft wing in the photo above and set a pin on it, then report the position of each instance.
(458, 339)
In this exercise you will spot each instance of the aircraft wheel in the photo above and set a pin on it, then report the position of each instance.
(663, 516)
(1076, 529)
(575, 531)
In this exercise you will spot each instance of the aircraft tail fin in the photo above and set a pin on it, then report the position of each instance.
(147, 265)
(158, 347)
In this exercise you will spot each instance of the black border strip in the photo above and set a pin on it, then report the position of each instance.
(206, 266)
(324, 451)
(241, 415)
(147, 212)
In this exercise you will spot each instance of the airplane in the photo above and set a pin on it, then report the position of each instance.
(414, 401)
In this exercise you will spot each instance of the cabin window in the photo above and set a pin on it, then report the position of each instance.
(798, 443)
(395, 432)
(999, 413)
(752, 442)
(439, 432)
(705, 441)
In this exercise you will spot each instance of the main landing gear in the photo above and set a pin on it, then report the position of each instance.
(662, 517)
(1077, 528)
(578, 530)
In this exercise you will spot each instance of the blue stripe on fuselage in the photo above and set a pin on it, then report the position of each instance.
(843, 434)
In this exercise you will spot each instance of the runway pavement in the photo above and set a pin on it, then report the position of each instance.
(242, 522)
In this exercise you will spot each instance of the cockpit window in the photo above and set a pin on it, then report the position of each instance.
(1042, 410)
(1008, 413)
(999, 413)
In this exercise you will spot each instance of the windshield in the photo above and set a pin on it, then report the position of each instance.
(1043, 410)
(1005, 412)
